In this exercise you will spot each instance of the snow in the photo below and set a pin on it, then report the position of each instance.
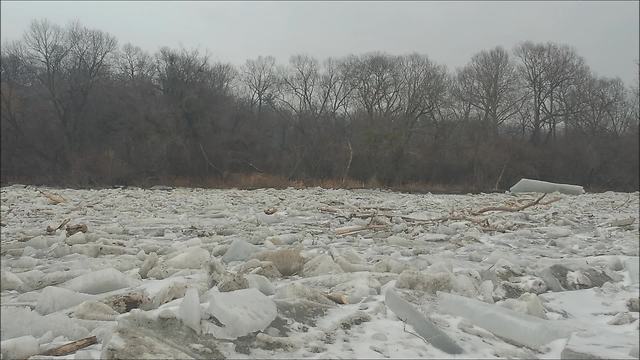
(553, 280)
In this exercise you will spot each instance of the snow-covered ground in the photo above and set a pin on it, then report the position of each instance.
(318, 273)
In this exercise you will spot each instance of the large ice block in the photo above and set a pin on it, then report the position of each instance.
(528, 185)
(520, 328)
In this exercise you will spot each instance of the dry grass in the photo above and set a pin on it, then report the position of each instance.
(248, 182)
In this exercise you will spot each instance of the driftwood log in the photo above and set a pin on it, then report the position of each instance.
(71, 347)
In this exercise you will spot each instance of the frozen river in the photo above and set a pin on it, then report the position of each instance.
(317, 273)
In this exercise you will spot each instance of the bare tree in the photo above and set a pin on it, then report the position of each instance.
(259, 76)
(134, 64)
(545, 70)
(490, 85)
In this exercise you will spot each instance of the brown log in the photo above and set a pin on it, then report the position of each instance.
(71, 347)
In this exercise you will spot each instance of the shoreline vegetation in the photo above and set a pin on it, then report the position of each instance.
(263, 181)
(79, 108)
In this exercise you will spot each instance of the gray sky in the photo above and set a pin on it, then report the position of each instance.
(605, 33)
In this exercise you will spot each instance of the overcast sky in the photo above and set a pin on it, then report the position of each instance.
(604, 33)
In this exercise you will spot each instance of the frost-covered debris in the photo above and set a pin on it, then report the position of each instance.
(194, 273)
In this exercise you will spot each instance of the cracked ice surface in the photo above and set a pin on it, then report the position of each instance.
(152, 266)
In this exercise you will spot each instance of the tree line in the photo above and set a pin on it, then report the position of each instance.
(78, 108)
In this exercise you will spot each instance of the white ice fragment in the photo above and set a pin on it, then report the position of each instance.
(425, 281)
(100, 281)
(20, 348)
(432, 237)
(527, 303)
(622, 318)
(528, 185)
(464, 285)
(632, 265)
(239, 250)
(19, 321)
(53, 298)
(191, 258)
(423, 326)
(26, 262)
(522, 329)
(321, 265)
(77, 238)
(261, 283)
(94, 310)
(90, 250)
(601, 344)
(189, 310)
(241, 312)
(486, 291)
(286, 239)
(358, 289)
(32, 279)
(41, 242)
(347, 266)
(61, 250)
(148, 264)
(9, 281)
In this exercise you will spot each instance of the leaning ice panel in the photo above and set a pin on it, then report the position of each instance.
(528, 185)
(423, 326)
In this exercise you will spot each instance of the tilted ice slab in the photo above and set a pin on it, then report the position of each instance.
(520, 328)
(632, 264)
(423, 326)
(528, 185)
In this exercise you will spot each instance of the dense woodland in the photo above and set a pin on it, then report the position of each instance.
(81, 109)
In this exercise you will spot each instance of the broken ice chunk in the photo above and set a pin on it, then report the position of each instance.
(602, 344)
(632, 264)
(240, 312)
(94, 310)
(321, 265)
(239, 250)
(191, 258)
(9, 281)
(53, 298)
(261, 283)
(189, 310)
(100, 281)
(20, 348)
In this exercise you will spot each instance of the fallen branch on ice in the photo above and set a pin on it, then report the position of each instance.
(71, 347)
(51, 230)
(509, 209)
